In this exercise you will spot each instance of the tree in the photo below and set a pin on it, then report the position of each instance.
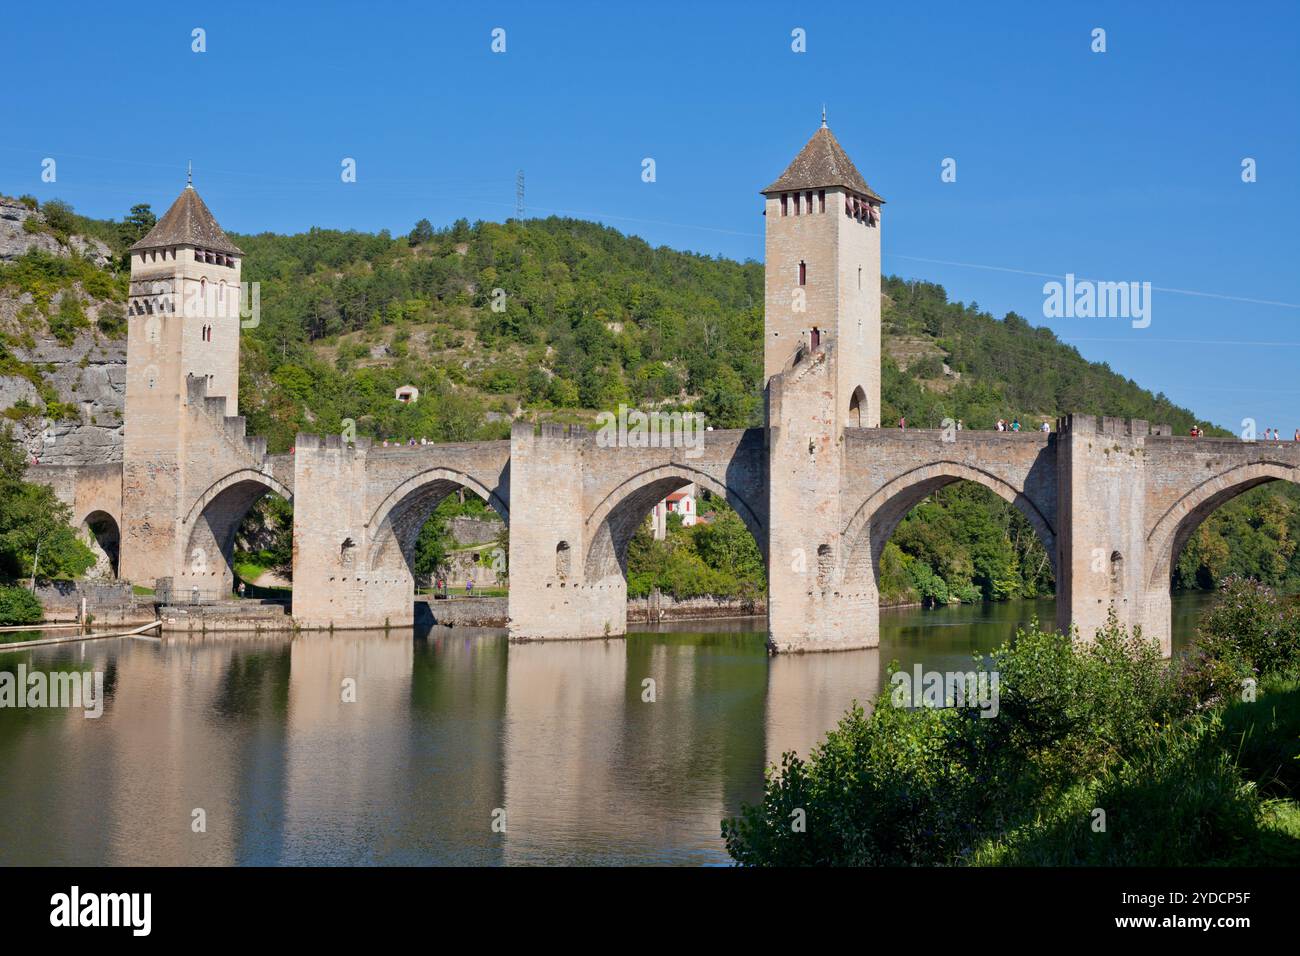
(137, 223)
(422, 233)
(35, 533)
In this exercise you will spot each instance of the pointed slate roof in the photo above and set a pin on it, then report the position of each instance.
(821, 163)
(188, 223)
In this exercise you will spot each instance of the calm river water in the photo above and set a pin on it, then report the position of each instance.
(448, 728)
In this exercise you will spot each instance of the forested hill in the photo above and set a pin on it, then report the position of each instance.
(558, 315)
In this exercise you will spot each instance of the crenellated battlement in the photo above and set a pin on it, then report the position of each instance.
(1109, 425)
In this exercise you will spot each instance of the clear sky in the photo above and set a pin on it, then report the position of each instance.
(1122, 165)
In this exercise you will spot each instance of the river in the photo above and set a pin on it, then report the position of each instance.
(242, 750)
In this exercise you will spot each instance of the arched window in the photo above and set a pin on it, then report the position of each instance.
(562, 559)
(803, 272)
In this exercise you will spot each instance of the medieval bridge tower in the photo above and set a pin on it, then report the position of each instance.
(821, 486)
(189, 474)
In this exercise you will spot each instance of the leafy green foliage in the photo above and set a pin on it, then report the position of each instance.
(1256, 535)
(964, 543)
(36, 539)
(1106, 724)
(264, 540)
(19, 606)
(1009, 369)
(717, 557)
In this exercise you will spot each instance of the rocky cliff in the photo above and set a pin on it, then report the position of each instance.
(63, 394)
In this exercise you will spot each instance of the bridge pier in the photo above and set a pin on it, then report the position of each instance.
(550, 594)
(332, 586)
(1102, 562)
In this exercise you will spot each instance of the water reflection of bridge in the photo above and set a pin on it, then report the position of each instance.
(443, 731)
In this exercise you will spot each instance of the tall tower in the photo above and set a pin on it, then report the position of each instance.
(822, 363)
(822, 284)
(183, 320)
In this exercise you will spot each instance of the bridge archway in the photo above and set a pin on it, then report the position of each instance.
(103, 535)
(1179, 522)
(394, 527)
(615, 519)
(876, 519)
(211, 525)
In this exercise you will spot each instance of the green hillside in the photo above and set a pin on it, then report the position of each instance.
(558, 318)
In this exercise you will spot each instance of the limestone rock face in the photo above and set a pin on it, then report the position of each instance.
(87, 377)
(14, 239)
(89, 374)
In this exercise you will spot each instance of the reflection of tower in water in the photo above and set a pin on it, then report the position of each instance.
(807, 694)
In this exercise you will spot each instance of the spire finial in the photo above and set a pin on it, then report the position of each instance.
(823, 116)
(189, 175)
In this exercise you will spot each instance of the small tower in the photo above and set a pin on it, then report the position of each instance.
(183, 319)
(822, 283)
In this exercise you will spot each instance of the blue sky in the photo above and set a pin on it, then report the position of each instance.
(1123, 165)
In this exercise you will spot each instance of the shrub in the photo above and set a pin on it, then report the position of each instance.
(931, 787)
(19, 606)
(1247, 633)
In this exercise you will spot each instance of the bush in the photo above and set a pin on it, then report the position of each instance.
(19, 606)
(1247, 633)
(1104, 724)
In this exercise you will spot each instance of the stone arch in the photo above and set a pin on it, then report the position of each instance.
(395, 524)
(1176, 526)
(611, 524)
(101, 531)
(875, 520)
(209, 528)
(858, 416)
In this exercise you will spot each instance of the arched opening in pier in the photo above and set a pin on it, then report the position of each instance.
(441, 536)
(238, 542)
(100, 531)
(674, 533)
(857, 408)
(947, 534)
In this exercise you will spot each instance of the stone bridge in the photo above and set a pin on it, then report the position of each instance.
(1113, 502)
(820, 486)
